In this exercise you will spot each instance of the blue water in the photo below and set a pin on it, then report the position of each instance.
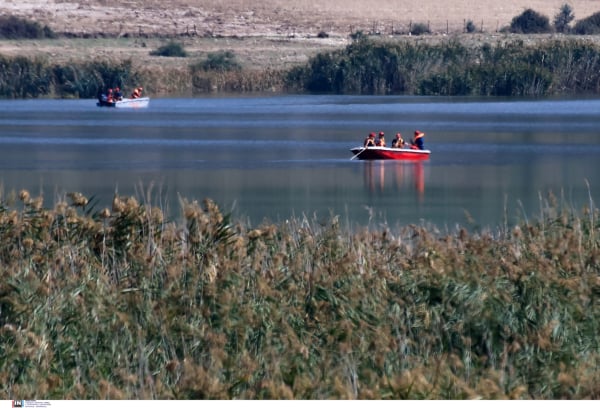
(493, 162)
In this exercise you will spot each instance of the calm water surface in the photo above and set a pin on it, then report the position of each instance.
(277, 157)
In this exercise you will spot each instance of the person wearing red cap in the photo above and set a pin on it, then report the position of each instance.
(381, 140)
(370, 140)
(417, 142)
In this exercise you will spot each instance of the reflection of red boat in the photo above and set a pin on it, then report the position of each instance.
(389, 153)
(398, 176)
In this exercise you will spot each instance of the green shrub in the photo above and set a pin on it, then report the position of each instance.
(172, 49)
(563, 18)
(420, 29)
(589, 25)
(470, 27)
(12, 27)
(530, 22)
(218, 61)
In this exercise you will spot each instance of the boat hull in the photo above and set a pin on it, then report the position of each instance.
(126, 103)
(389, 153)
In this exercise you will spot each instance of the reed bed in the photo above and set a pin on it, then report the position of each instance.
(369, 65)
(513, 68)
(125, 303)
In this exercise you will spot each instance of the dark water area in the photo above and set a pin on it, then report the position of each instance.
(493, 161)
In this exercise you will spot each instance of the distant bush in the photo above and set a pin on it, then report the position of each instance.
(218, 61)
(172, 49)
(12, 27)
(563, 18)
(419, 29)
(470, 27)
(322, 34)
(530, 22)
(589, 25)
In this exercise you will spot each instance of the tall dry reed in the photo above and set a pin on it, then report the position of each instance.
(124, 303)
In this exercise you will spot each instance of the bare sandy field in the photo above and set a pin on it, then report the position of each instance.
(279, 17)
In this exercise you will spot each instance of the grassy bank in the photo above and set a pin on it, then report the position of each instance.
(123, 303)
(508, 66)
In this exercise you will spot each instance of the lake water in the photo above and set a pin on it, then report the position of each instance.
(276, 157)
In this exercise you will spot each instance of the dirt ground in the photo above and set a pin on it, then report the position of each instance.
(280, 17)
(274, 33)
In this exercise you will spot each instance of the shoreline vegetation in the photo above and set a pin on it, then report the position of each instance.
(367, 65)
(123, 303)
(530, 57)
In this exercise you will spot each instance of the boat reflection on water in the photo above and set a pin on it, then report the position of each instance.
(391, 175)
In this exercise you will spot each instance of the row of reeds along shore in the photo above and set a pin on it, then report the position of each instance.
(122, 303)
(508, 67)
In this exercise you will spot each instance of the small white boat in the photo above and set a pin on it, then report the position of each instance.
(134, 103)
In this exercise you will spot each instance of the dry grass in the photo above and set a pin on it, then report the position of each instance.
(125, 304)
(278, 17)
(272, 33)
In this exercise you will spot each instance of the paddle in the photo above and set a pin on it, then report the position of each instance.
(358, 154)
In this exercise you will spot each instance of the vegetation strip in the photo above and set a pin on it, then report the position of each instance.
(367, 66)
(126, 304)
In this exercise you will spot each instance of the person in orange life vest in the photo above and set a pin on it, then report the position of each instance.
(381, 140)
(370, 140)
(417, 142)
(109, 97)
(398, 142)
(137, 93)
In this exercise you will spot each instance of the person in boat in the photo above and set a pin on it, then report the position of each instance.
(418, 142)
(398, 142)
(137, 93)
(370, 140)
(118, 94)
(381, 140)
(110, 96)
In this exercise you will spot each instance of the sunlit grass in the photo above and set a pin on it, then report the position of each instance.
(125, 303)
